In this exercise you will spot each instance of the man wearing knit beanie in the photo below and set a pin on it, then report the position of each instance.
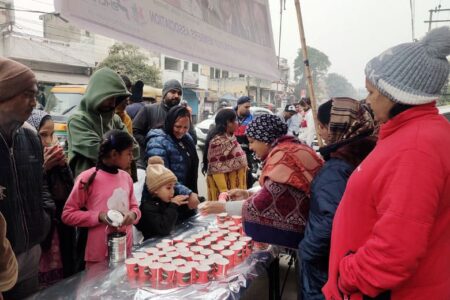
(391, 231)
(24, 200)
(153, 116)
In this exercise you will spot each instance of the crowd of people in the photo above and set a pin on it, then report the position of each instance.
(368, 213)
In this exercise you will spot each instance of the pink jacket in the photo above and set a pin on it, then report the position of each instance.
(108, 191)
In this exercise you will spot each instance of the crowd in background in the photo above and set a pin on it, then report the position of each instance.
(368, 213)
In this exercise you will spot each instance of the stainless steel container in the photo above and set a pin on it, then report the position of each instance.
(117, 247)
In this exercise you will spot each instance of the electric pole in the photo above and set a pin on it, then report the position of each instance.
(436, 10)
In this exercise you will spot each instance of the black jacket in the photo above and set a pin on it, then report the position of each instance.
(158, 217)
(24, 199)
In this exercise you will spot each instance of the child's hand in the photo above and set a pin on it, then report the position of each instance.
(102, 218)
(129, 218)
(180, 200)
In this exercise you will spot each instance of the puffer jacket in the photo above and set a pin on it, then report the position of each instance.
(327, 190)
(161, 144)
(24, 199)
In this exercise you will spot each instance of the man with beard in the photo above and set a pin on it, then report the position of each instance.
(153, 116)
(95, 116)
(24, 199)
(245, 117)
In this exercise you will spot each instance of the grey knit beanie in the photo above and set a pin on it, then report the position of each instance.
(413, 73)
(169, 85)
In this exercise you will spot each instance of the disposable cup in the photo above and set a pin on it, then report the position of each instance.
(187, 255)
(229, 254)
(167, 241)
(162, 246)
(225, 244)
(182, 245)
(132, 267)
(179, 262)
(206, 252)
(155, 271)
(151, 250)
(217, 248)
(139, 255)
(184, 276)
(168, 273)
(165, 260)
(204, 244)
(189, 241)
(221, 218)
(202, 273)
(198, 257)
(143, 269)
(237, 219)
(237, 253)
(223, 266)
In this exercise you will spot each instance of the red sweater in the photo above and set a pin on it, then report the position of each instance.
(391, 231)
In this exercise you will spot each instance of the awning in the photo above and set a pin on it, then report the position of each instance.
(53, 77)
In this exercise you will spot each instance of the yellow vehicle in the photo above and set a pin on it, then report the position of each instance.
(61, 103)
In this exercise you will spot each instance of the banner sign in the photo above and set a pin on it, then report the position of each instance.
(235, 35)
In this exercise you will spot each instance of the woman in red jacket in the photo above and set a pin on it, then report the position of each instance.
(391, 232)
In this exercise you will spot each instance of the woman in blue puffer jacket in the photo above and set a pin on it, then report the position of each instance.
(346, 126)
(176, 147)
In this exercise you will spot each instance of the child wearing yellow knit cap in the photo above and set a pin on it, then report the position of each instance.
(160, 212)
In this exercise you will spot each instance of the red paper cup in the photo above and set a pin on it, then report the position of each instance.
(143, 269)
(222, 226)
(229, 224)
(212, 239)
(193, 265)
(206, 252)
(150, 259)
(237, 219)
(215, 256)
(139, 255)
(168, 273)
(225, 244)
(213, 229)
(170, 249)
(223, 266)
(189, 241)
(235, 229)
(218, 235)
(173, 254)
(203, 273)
(132, 267)
(221, 218)
(235, 234)
(196, 249)
(231, 239)
(224, 231)
(181, 245)
(204, 244)
(229, 254)
(165, 260)
(198, 257)
(237, 253)
(205, 233)
(154, 271)
(179, 262)
(249, 243)
(184, 276)
(197, 237)
(244, 248)
(177, 240)
(151, 250)
(187, 255)
(167, 241)
(162, 246)
(217, 248)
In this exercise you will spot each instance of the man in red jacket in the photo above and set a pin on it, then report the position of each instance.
(391, 232)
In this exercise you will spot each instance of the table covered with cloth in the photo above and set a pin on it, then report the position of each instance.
(111, 282)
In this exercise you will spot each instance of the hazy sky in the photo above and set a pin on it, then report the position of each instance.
(350, 32)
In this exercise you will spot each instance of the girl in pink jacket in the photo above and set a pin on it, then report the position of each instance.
(100, 189)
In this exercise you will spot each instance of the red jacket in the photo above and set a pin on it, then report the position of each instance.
(391, 231)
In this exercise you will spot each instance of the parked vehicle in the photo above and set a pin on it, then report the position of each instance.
(202, 128)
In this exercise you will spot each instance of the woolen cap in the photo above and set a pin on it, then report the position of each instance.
(413, 73)
(15, 78)
(266, 128)
(157, 174)
(243, 99)
(172, 84)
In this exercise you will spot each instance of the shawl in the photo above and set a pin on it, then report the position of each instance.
(225, 155)
(277, 213)
(292, 163)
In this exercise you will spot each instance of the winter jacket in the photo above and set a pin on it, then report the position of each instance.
(158, 217)
(87, 125)
(163, 145)
(326, 192)
(391, 231)
(24, 199)
(108, 191)
(133, 109)
(151, 117)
